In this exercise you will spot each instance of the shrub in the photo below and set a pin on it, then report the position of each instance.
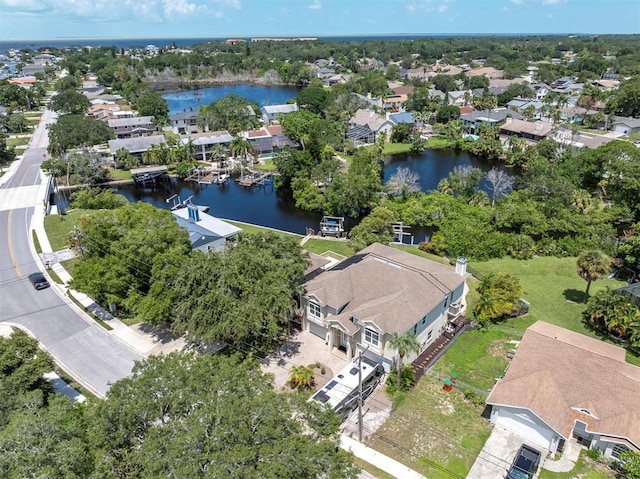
(406, 383)
(436, 246)
(522, 247)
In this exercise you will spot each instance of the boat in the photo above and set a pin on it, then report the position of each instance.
(222, 178)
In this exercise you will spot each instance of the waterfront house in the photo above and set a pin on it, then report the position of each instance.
(271, 113)
(471, 121)
(136, 146)
(205, 141)
(372, 123)
(359, 303)
(206, 232)
(533, 132)
(132, 127)
(563, 386)
(185, 122)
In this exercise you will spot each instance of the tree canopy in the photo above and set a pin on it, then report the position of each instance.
(73, 131)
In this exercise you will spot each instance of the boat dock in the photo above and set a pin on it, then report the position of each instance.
(254, 179)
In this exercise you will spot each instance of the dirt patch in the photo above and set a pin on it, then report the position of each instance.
(497, 348)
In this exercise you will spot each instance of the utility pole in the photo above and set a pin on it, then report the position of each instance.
(79, 240)
(360, 394)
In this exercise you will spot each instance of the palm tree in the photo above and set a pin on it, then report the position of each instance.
(592, 265)
(301, 378)
(218, 153)
(240, 147)
(407, 343)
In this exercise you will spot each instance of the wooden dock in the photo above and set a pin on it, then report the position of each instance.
(254, 179)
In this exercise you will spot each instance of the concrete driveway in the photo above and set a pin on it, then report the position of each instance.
(302, 349)
(497, 455)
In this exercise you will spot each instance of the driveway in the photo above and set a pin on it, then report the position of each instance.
(497, 455)
(302, 349)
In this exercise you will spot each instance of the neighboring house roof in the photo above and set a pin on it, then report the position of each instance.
(136, 145)
(403, 89)
(207, 231)
(537, 128)
(594, 377)
(183, 115)
(388, 287)
(486, 71)
(494, 116)
(505, 83)
(628, 121)
(210, 138)
(404, 117)
(368, 118)
(279, 109)
(135, 121)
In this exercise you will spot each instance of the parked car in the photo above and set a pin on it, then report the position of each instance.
(525, 465)
(38, 281)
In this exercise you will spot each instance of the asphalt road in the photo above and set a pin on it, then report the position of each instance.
(80, 346)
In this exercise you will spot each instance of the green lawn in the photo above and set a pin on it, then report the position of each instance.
(321, 246)
(59, 228)
(433, 431)
(17, 141)
(393, 148)
(437, 142)
(414, 250)
(268, 165)
(251, 229)
(585, 468)
(118, 175)
(553, 288)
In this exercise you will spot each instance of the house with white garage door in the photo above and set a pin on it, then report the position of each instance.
(564, 386)
(359, 303)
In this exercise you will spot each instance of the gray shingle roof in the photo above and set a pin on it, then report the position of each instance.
(391, 288)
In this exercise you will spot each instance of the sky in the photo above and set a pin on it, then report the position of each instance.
(38, 19)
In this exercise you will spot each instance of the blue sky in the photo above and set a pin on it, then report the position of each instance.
(36, 19)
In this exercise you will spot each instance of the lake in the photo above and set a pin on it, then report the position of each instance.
(263, 95)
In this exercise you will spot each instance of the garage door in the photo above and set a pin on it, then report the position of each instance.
(317, 330)
(524, 424)
(621, 129)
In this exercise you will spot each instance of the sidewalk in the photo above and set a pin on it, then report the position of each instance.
(146, 343)
(390, 466)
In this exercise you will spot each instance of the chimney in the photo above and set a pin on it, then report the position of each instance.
(461, 266)
(538, 126)
(508, 122)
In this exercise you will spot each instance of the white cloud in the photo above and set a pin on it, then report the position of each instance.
(23, 6)
(229, 3)
(316, 5)
(517, 2)
(553, 2)
(183, 8)
(430, 5)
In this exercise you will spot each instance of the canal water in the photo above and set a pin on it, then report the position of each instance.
(264, 205)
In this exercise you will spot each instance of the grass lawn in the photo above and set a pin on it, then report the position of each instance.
(553, 288)
(371, 469)
(393, 148)
(59, 228)
(437, 142)
(252, 229)
(118, 175)
(268, 165)
(414, 250)
(321, 246)
(17, 141)
(70, 264)
(433, 431)
(586, 468)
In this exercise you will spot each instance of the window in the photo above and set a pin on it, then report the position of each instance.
(618, 449)
(371, 336)
(446, 301)
(315, 310)
(429, 335)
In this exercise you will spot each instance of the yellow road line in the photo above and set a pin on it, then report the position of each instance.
(10, 244)
(24, 177)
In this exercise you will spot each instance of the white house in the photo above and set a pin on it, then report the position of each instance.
(362, 301)
(270, 113)
(563, 386)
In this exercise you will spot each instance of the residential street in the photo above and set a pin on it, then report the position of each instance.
(79, 345)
